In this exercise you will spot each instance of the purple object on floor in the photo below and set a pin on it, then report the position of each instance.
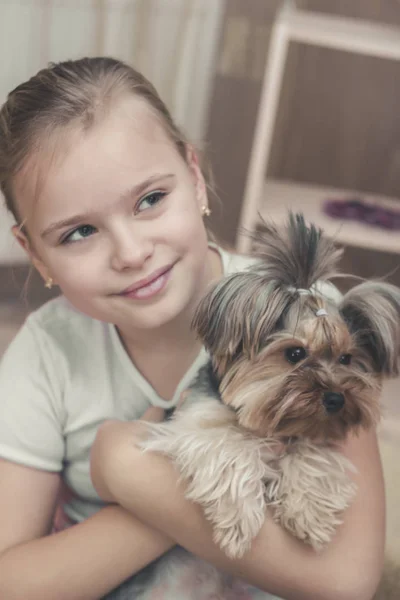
(356, 209)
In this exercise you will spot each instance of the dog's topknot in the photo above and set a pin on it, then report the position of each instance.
(241, 311)
(297, 255)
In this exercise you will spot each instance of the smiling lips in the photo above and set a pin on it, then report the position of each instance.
(149, 286)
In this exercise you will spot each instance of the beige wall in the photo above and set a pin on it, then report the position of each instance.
(338, 124)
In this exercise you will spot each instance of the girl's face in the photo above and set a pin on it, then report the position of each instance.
(118, 222)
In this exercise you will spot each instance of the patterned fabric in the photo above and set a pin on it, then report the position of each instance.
(179, 575)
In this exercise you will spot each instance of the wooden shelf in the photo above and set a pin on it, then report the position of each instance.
(340, 33)
(329, 31)
(281, 196)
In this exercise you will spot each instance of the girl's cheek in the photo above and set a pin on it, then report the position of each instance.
(77, 273)
(184, 225)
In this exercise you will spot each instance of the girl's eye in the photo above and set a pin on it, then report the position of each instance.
(78, 234)
(345, 359)
(150, 200)
(295, 354)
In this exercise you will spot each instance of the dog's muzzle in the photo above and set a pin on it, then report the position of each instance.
(333, 402)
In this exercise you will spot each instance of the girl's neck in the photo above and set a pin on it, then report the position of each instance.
(176, 334)
(173, 347)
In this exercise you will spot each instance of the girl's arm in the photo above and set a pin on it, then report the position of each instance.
(148, 486)
(83, 562)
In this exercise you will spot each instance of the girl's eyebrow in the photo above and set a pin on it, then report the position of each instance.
(134, 191)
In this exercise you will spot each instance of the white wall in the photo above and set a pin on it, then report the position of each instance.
(10, 250)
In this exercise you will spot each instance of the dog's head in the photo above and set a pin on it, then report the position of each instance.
(291, 362)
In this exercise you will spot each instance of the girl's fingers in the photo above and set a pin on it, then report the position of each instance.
(155, 414)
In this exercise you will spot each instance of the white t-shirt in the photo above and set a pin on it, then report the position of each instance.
(61, 377)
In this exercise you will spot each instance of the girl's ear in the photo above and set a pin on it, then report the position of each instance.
(21, 239)
(24, 242)
(193, 163)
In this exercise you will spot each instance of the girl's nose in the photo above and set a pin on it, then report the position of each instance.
(130, 249)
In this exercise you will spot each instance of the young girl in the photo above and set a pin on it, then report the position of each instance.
(109, 202)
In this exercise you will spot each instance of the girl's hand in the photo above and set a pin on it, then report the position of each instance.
(154, 414)
(61, 521)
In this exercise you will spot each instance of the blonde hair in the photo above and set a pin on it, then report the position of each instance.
(68, 93)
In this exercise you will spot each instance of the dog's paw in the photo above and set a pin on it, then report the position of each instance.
(313, 491)
(236, 518)
(228, 482)
(234, 541)
(222, 468)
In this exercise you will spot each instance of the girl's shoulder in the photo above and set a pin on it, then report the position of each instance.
(60, 322)
(54, 333)
(59, 313)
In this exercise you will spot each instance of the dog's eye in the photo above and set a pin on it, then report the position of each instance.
(345, 359)
(296, 354)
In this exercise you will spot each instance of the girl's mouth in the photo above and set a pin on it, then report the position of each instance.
(149, 286)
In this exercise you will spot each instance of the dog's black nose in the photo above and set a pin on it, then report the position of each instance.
(333, 401)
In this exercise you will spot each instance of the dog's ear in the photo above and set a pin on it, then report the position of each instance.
(372, 313)
(238, 314)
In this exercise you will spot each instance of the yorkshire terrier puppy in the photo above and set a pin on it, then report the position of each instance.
(291, 373)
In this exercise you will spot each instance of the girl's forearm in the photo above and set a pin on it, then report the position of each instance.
(349, 568)
(83, 562)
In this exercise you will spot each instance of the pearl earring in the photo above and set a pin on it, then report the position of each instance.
(205, 211)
